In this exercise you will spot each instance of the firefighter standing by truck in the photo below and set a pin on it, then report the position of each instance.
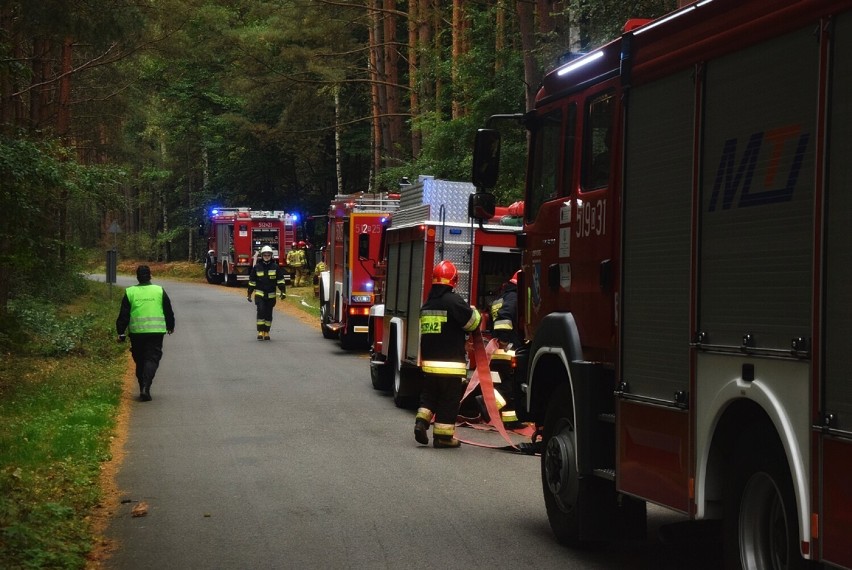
(445, 318)
(504, 328)
(264, 278)
(297, 261)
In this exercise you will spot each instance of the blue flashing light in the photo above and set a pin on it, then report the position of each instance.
(455, 232)
(214, 211)
(295, 217)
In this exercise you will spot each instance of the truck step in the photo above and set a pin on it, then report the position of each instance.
(608, 474)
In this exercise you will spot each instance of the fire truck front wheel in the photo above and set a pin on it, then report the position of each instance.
(559, 477)
(760, 521)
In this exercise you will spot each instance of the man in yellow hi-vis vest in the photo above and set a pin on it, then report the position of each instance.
(146, 313)
(445, 319)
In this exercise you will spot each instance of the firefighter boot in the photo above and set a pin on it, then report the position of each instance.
(259, 335)
(444, 436)
(421, 425)
(266, 335)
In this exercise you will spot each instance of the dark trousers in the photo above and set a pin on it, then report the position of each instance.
(264, 312)
(147, 350)
(442, 395)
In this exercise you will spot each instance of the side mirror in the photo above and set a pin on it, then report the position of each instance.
(486, 158)
(481, 206)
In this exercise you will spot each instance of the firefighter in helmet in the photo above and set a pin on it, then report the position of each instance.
(298, 262)
(264, 278)
(445, 319)
(504, 318)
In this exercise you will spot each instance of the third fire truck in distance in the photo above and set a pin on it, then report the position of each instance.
(347, 287)
(431, 225)
(235, 235)
(685, 285)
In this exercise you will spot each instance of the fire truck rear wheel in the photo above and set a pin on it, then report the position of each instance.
(230, 279)
(325, 319)
(761, 528)
(559, 477)
(401, 396)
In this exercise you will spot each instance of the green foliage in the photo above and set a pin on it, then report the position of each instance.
(56, 418)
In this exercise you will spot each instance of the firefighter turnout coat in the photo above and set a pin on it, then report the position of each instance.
(445, 319)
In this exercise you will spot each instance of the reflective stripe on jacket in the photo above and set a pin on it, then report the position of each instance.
(146, 309)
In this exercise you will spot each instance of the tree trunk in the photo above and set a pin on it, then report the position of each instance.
(62, 125)
(338, 151)
(457, 50)
(414, 96)
(525, 25)
(375, 90)
(392, 110)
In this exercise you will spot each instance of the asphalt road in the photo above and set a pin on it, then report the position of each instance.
(280, 454)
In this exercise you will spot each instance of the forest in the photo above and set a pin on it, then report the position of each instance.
(122, 122)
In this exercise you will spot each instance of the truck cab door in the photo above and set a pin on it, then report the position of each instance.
(568, 217)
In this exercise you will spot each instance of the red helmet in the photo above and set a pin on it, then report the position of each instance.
(445, 274)
(302, 244)
(514, 279)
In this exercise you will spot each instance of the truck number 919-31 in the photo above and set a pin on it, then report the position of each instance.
(591, 218)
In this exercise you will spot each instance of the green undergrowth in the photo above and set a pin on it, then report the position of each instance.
(60, 385)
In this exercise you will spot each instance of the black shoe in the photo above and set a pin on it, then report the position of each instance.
(445, 442)
(420, 429)
(146, 394)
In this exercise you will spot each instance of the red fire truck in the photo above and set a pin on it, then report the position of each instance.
(432, 225)
(235, 236)
(686, 265)
(346, 288)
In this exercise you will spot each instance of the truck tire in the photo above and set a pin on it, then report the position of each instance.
(381, 376)
(210, 273)
(402, 396)
(325, 318)
(560, 481)
(230, 279)
(760, 523)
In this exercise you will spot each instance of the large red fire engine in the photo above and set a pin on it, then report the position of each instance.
(346, 288)
(686, 266)
(237, 234)
(432, 225)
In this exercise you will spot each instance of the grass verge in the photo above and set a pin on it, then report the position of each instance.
(58, 402)
(61, 381)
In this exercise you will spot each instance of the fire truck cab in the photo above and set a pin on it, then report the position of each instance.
(347, 287)
(237, 234)
(431, 225)
(686, 265)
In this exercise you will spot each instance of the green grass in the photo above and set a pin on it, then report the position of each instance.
(60, 386)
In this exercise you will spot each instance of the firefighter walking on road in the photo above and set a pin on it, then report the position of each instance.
(264, 278)
(146, 313)
(445, 319)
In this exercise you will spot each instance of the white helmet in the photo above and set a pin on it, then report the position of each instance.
(265, 249)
